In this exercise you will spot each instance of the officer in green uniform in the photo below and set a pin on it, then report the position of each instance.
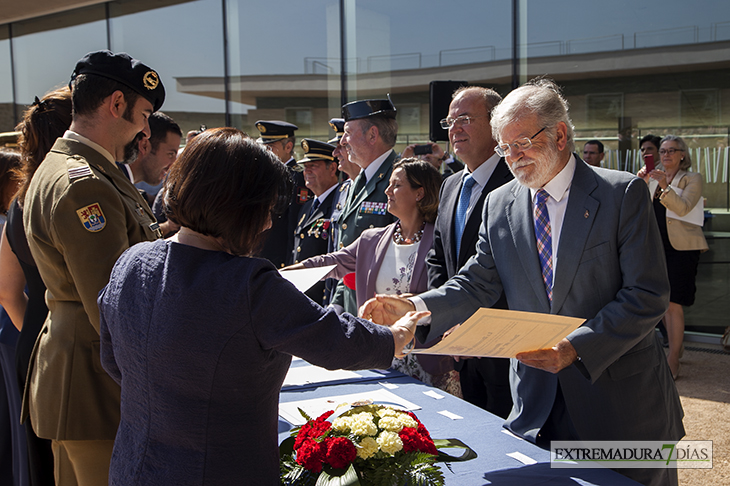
(81, 213)
(369, 138)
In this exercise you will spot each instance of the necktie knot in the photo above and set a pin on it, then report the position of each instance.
(541, 197)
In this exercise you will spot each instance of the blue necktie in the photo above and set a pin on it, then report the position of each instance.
(315, 206)
(543, 234)
(461, 208)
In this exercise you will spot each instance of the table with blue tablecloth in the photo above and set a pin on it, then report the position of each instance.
(503, 459)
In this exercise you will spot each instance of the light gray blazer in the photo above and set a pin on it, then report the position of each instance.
(609, 273)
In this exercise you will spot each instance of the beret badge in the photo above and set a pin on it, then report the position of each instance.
(150, 80)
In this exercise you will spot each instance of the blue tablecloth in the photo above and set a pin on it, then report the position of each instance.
(481, 430)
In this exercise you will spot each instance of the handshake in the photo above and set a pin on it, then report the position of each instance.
(398, 313)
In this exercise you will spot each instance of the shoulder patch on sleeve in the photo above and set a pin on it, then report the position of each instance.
(79, 172)
(92, 217)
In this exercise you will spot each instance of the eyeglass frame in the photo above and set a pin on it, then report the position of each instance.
(466, 120)
(670, 151)
(503, 153)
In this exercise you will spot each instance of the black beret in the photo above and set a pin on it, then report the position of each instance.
(274, 130)
(338, 125)
(316, 150)
(123, 68)
(365, 108)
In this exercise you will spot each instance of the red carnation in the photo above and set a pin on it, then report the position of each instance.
(410, 438)
(413, 440)
(313, 429)
(310, 455)
(340, 452)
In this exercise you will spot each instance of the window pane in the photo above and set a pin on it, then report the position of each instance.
(184, 44)
(400, 47)
(46, 50)
(284, 64)
(629, 69)
(7, 119)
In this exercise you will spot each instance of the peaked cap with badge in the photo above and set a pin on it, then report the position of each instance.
(81, 212)
(356, 110)
(274, 130)
(338, 125)
(316, 150)
(123, 68)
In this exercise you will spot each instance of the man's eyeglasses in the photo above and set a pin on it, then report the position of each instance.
(459, 121)
(670, 151)
(503, 149)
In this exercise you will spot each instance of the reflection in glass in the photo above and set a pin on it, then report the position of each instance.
(46, 50)
(184, 44)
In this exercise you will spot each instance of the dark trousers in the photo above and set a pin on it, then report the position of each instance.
(485, 383)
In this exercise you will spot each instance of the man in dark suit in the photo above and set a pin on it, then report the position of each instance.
(484, 381)
(369, 138)
(278, 241)
(313, 231)
(609, 379)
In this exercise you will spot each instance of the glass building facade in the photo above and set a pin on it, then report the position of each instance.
(628, 67)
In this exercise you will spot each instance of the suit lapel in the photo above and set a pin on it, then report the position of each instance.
(450, 196)
(580, 214)
(420, 267)
(323, 209)
(519, 216)
(500, 176)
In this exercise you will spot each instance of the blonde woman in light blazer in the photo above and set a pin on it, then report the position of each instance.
(678, 194)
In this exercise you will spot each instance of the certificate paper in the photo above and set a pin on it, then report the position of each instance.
(498, 333)
(304, 278)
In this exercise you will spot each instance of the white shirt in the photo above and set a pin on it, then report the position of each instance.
(396, 272)
(374, 166)
(559, 189)
(481, 176)
(324, 195)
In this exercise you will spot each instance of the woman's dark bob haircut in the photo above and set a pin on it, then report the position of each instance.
(422, 174)
(226, 185)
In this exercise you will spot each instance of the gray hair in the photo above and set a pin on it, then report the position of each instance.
(387, 128)
(686, 162)
(541, 97)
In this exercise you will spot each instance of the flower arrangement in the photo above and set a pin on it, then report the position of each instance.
(366, 445)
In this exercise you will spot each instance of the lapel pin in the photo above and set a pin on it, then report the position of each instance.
(586, 214)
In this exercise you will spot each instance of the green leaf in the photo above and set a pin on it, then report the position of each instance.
(348, 478)
(467, 455)
(304, 414)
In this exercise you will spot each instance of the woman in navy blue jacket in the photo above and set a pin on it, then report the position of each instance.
(200, 336)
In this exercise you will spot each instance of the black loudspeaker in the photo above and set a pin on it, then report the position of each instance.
(440, 93)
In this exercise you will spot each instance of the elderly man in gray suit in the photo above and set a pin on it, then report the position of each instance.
(565, 238)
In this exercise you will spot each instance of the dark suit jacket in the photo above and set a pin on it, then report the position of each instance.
(442, 260)
(609, 273)
(278, 241)
(312, 237)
